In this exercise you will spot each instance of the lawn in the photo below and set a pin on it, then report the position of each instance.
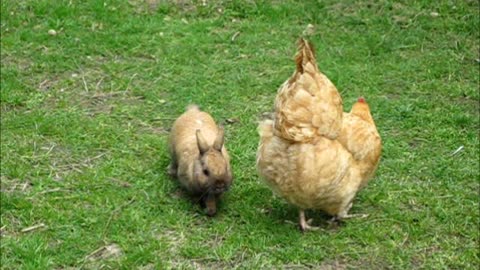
(89, 90)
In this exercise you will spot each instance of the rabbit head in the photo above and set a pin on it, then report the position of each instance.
(212, 168)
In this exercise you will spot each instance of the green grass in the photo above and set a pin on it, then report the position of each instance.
(85, 116)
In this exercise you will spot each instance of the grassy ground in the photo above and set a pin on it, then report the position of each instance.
(85, 114)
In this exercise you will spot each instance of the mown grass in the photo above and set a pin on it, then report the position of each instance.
(85, 114)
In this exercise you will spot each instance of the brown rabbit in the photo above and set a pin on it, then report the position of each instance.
(200, 161)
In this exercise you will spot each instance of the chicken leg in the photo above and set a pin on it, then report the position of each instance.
(305, 224)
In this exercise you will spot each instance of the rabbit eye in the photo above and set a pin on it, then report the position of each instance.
(206, 172)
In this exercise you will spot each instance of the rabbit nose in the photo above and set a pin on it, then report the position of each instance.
(220, 186)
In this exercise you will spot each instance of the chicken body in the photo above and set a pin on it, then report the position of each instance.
(313, 154)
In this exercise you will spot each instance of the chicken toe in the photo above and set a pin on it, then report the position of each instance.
(353, 216)
(336, 219)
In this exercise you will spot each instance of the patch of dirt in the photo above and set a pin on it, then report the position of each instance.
(149, 266)
(172, 238)
(216, 241)
(14, 60)
(48, 84)
(53, 159)
(326, 265)
(367, 262)
(121, 183)
(11, 225)
(97, 103)
(417, 142)
(472, 102)
(419, 259)
(154, 129)
(61, 167)
(102, 257)
(91, 88)
(14, 185)
(111, 251)
(177, 6)
(202, 264)
(144, 6)
(150, 6)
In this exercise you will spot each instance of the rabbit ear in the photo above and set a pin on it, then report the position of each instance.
(218, 144)
(201, 142)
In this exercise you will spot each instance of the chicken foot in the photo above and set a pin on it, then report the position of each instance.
(305, 224)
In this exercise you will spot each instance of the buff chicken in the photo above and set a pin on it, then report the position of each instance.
(312, 153)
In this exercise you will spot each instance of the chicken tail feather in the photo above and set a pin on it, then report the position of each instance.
(306, 54)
